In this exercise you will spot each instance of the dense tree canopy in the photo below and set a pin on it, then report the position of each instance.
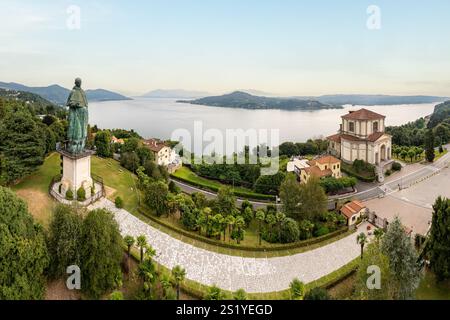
(103, 143)
(22, 146)
(64, 240)
(23, 251)
(101, 253)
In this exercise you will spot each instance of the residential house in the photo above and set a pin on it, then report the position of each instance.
(114, 140)
(164, 155)
(322, 167)
(352, 211)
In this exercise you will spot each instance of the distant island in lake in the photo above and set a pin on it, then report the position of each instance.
(58, 95)
(245, 100)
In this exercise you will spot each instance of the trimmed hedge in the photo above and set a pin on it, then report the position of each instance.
(241, 194)
(352, 173)
(288, 246)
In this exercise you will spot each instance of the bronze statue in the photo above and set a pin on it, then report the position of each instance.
(78, 119)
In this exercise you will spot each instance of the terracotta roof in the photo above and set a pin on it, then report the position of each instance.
(116, 140)
(335, 138)
(315, 171)
(325, 160)
(375, 136)
(372, 138)
(352, 208)
(363, 114)
(154, 145)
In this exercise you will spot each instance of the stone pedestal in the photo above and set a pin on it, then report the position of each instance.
(76, 172)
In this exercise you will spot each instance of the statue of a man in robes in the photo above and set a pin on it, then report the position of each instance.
(78, 119)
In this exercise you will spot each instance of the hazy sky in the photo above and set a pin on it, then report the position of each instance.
(285, 47)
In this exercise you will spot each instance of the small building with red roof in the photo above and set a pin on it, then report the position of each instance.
(352, 211)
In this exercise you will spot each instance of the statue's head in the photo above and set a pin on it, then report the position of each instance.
(78, 82)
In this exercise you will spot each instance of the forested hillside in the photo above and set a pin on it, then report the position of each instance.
(413, 133)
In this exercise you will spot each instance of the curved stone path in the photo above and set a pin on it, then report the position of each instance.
(230, 272)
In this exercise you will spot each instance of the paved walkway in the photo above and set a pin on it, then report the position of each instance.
(231, 272)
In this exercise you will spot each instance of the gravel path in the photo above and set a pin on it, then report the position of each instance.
(231, 272)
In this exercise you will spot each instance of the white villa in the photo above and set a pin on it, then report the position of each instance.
(362, 137)
(164, 155)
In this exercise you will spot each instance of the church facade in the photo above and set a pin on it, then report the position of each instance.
(362, 137)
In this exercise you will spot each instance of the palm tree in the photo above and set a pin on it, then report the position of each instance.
(148, 274)
(200, 221)
(378, 233)
(240, 223)
(280, 217)
(129, 241)
(141, 242)
(231, 220)
(178, 274)
(271, 220)
(207, 212)
(260, 216)
(149, 252)
(361, 239)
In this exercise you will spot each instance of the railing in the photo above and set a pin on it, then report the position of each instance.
(58, 197)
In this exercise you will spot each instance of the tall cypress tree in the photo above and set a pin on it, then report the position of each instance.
(439, 243)
(429, 145)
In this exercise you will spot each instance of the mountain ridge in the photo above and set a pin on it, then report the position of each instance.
(58, 94)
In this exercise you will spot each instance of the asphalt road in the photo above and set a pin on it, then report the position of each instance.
(367, 193)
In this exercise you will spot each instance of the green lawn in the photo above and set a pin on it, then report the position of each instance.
(430, 290)
(40, 180)
(185, 174)
(34, 188)
(122, 181)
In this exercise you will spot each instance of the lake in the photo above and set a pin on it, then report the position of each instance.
(160, 117)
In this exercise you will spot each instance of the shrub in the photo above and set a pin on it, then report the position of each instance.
(290, 231)
(173, 188)
(321, 231)
(297, 289)
(317, 294)
(396, 166)
(69, 194)
(119, 202)
(388, 173)
(238, 235)
(214, 293)
(81, 194)
(116, 295)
